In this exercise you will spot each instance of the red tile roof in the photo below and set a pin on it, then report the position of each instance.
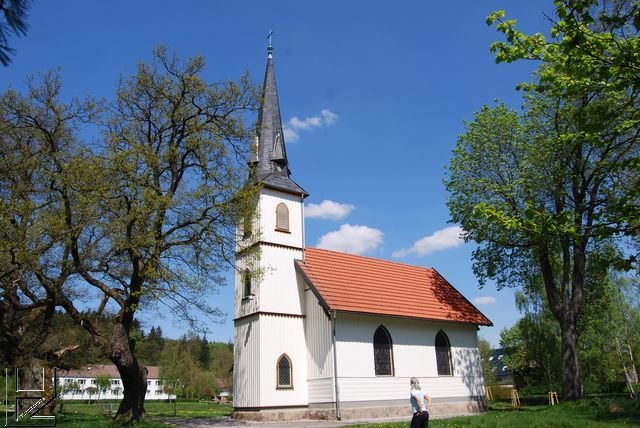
(344, 282)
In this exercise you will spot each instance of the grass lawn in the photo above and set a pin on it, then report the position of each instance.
(536, 413)
(81, 415)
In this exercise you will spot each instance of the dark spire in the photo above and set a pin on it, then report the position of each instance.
(270, 165)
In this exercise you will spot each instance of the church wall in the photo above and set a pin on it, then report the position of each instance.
(269, 200)
(319, 350)
(246, 363)
(282, 335)
(413, 355)
(321, 391)
(277, 287)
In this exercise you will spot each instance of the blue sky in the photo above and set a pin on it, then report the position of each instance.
(373, 94)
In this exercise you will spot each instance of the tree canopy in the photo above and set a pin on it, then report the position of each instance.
(144, 218)
(545, 192)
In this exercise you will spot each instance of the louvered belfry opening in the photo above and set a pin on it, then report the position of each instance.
(443, 354)
(383, 352)
(284, 372)
(282, 217)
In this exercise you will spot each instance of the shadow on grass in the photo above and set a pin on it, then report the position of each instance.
(80, 420)
(527, 404)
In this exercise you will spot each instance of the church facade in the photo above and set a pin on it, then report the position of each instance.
(327, 335)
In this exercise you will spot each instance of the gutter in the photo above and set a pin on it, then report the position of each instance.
(335, 363)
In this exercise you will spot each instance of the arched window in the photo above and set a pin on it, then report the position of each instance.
(246, 279)
(282, 218)
(443, 354)
(383, 352)
(284, 372)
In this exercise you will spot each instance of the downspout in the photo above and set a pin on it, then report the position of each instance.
(335, 364)
(302, 224)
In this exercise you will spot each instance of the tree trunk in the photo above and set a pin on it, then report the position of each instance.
(134, 377)
(570, 370)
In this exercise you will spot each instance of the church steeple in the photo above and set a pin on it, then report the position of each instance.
(270, 164)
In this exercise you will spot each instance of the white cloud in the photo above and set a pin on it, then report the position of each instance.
(484, 300)
(328, 209)
(449, 237)
(290, 135)
(295, 124)
(328, 116)
(308, 123)
(351, 239)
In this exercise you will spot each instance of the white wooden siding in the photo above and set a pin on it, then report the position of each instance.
(321, 391)
(319, 350)
(269, 200)
(413, 355)
(246, 363)
(397, 388)
(318, 338)
(277, 286)
(280, 335)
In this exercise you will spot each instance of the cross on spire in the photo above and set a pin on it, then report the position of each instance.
(270, 47)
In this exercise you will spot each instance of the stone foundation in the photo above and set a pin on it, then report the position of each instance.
(438, 410)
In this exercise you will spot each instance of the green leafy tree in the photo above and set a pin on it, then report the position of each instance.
(70, 388)
(205, 353)
(488, 372)
(541, 192)
(592, 44)
(222, 363)
(590, 79)
(103, 384)
(609, 336)
(91, 391)
(532, 351)
(148, 220)
(34, 252)
(149, 349)
(175, 154)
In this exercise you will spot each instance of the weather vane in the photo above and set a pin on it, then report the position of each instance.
(270, 47)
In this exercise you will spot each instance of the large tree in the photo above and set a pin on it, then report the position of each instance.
(146, 219)
(35, 259)
(541, 192)
(174, 160)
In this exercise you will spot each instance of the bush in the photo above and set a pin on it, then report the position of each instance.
(604, 387)
(540, 389)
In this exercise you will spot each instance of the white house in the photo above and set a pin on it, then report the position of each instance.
(85, 378)
(322, 334)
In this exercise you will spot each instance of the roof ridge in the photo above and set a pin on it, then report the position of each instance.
(358, 256)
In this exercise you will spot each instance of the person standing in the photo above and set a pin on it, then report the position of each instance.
(417, 398)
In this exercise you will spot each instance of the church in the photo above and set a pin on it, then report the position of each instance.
(326, 335)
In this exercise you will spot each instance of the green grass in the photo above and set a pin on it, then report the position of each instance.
(536, 413)
(81, 415)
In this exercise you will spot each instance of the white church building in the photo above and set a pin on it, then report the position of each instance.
(327, 335)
